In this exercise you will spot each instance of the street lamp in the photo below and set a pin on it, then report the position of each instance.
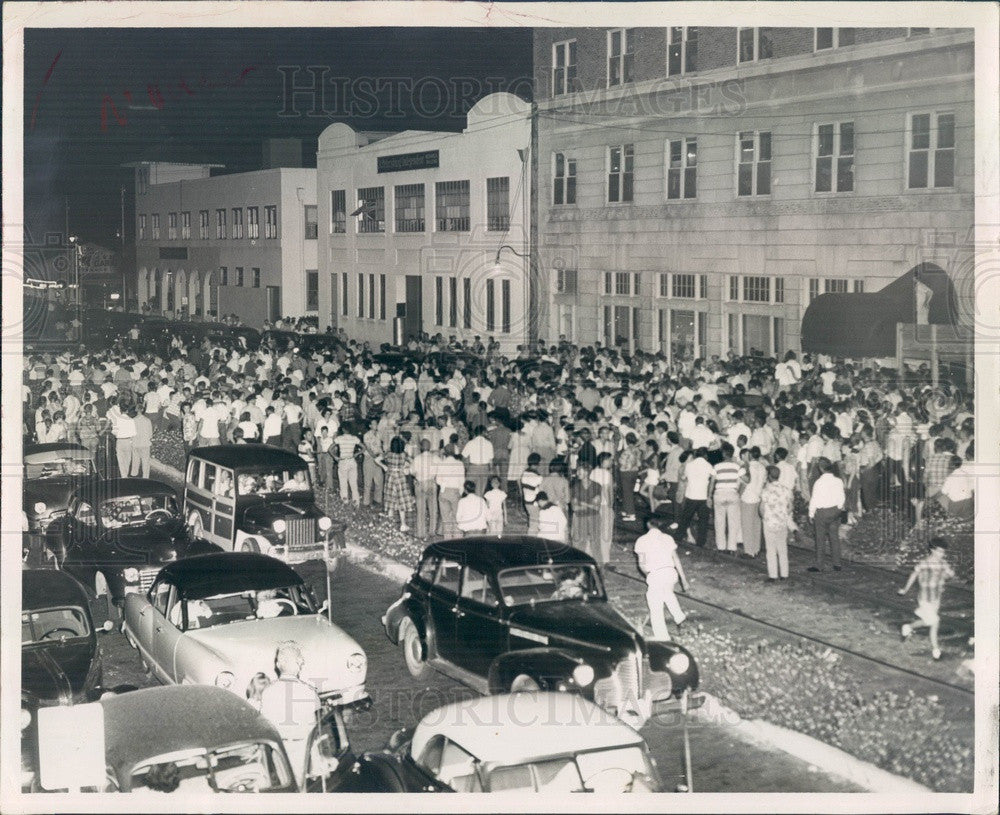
(74, 242)
(497, 266)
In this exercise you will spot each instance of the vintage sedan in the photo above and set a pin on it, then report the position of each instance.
(218, 619)
(522, 743)
(523, 613)
(52, 472)
(119, 533)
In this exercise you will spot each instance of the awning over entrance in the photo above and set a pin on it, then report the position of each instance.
(864, 325)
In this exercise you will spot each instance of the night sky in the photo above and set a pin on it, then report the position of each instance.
(214, 95)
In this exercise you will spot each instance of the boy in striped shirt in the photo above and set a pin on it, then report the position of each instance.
(726, 501)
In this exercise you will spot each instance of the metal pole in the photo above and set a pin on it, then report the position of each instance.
(687, 742)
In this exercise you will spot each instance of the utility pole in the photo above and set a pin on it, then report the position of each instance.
(534, 299)
(122, 260)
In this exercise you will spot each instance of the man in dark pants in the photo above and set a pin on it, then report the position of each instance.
(825, 505)
(700, 478)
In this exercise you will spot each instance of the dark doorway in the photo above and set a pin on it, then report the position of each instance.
(413, 321)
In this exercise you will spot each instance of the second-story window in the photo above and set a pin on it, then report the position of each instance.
(835, 157)
(753, 163)
(564, 180)
(410, 208)
(498, 204)
(682, 50)
(312, 223)
(621, 56)
(203, 224)
(271, 222)
(172, 226)
(237, 223)
(239, 276)
(452, 206)
(682, 168)
(155, 220)
(220, 224)
(253, 223)
(754, 44)
(142, 227)
(564, 67)
(186, 225)
(620, 169)
(338, 211)
(930, 150)
(255, 277)
(371, 210)
(827, 38)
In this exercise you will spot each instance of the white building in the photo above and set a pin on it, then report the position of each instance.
(412, 224)
(240, 244)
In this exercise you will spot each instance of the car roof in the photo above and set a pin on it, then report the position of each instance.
(489, 552)
(225, 572)
(47, 588)
(245, 455)
(104, 489)
(518, 727)
(143, 724)
(51, 451)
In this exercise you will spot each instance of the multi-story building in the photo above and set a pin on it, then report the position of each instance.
(701, 185)
(428, 227)
(241, 244)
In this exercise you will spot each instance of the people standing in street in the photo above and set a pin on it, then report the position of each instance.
(662, 568)
(698, 477)
(825, 506)
(291, 704)
(776, 514)
(629, 463)
(450, 480)
(397, 496)
(346, 445)
(726, 502)
(478, 456)
(471, 511)
(372, 474)
(530, 482)
(931, 573)
(601, 475)
(424, 469)
(123, 428)
(552, 522)
(585, 504)
(496, 507)
(755, 474)
(142, 446)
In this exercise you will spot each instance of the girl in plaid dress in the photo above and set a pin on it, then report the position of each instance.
(397, 495)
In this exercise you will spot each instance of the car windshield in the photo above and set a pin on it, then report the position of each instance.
(534, 584)
(51, 624)
(135, 510)
(58, 467)
(277, 481)
(222, 609)
(622, 769)
(244, 767)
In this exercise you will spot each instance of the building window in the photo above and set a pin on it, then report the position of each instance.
(223, 276)
(467, 302)
(834, 145)
(779, 290)
(682, 285)
(505, 306)
(186, 226)
(172, 226)
(203, 224)
(734, 287)
(753, 156)
(271, 222)
(253, 223)
(491, 313)
(564, 180)
(143, 176)
(827, 38)
(497, 204)
(563, 67)
(142, 227)
(312, 290)
(361, 294)
(620, 168)
(452, 206)
(931, 150)
(381, 296)
(239, 275)
(621, 56)
(220, 224)
(343, 296)
(311, 221)
(255, 277)
(156, 226)
(371, 296)
(566, 281)
(703, 286)
(452, 302)
(338, 211)
(835, 285)
(682, 168)
(410, 208)
(439, 300)
(682, 50)
(757, 289)
(624, 284)
(859, 286)
(237, 223)
(813, 288)
(371, 210)
(754, 44)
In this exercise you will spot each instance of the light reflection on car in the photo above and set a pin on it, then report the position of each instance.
(535, 584)
(136, 510)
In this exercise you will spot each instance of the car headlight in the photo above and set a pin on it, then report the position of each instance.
(224, 679)
(279, 526)
(583, 675)
(679, 663)
(40, 507)
(131, 575)
(25, 718)
(357, 662)
(324, 524)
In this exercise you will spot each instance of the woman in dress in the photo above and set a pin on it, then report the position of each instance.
(585, 502)
(397, 495)
(602, 476)
(520, 448)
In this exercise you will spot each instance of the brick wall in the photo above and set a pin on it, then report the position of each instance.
(716, 48)
(789, 41)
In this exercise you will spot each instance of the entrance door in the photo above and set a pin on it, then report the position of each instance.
(681, 335)
(756, 333)
(413, 318)
(274, 303)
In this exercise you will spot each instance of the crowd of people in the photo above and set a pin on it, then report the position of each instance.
(572, 437)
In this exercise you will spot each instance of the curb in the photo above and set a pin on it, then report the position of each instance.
(160, 468)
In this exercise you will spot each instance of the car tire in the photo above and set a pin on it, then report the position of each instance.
(413, 649)
(524, 684)
(250, 545)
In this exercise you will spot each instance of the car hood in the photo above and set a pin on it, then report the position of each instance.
(57, 673)
(275, 508)
(159, 544)
(250, 646)
(594, 624)
(55, 492)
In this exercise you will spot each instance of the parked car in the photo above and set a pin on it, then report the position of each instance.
(118, 534)
(52, 472)
(524, 742)
(217, 620)
(523, 613)
(258, 498)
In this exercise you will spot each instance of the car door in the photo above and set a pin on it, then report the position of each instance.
(479, 630)
(164, 633)
(442, 602)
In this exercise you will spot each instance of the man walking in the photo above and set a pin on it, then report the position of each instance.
(699, 475)
(825, 505)
(659, 562)
(142, 444)
(930, 574)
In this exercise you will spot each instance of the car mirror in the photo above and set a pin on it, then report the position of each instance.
(107, 626)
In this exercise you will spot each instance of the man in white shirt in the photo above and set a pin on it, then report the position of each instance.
(124, 432)
(825, 505)
(701, 435)
(478, 454)
(470, 512)
(291, 704)
(658, 561)
(552, 522)
(699, 476)
(737, 428)
(424, 468)
(450, 478)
